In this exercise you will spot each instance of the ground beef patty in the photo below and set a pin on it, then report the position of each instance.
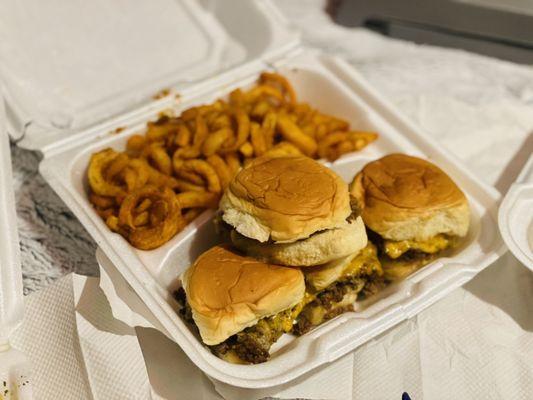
(251, 345)
(329, 303)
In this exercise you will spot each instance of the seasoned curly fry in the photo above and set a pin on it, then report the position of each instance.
(99, 184)
(215, 141)
(135, 144)
(292, 133)
(183, 137)
(179, 167)
(243, 130)
(101, 201)
(283, 149)
(222, 170)
(197, 199)
(158, 130)
(206, 171)
(201, 132)
(257, 139)
(159, 157)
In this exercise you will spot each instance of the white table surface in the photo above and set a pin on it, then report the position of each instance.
(479, 108)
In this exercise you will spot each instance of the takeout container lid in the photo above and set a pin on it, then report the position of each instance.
(11, 300)
(65, 66)
(515, 216)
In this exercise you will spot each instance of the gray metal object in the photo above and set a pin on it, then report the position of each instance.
(502, 29)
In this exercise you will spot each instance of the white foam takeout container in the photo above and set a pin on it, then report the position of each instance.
(515, 217)
(224, 52)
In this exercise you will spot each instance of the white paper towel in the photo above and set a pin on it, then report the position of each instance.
(77, 349)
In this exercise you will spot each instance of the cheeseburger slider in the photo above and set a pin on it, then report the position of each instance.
(412, 209)
(240, 306)
(291, 211)
(295, 211)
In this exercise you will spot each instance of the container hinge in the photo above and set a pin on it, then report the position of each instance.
(275, 61)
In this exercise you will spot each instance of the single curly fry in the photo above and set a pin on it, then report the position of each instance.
(102, 201)
(222, 170)
(283, 149)
(192, 177)
(309, 130)
(264, 90)
(285, 84)
(181, 154)
(337, 124)
(135, 144)
(116, 166)
(197, 199)
(344, 147)
(184, 135)
(201, 132)
(257, 139)
(260, 109)
(159, 179)
(321, 131)
(243, 131)
(232, 160)
(159, 158)
(158, 130)
(158, 212)
(236, 98)
(269, 128)
(141, 219)
(222, 121)
(150, 237)
(95, 174)
(326, 145)
(247, 150)
(130, 177)
(112, 223)
(142, 173)
(361, 139)
(206, 171)
(145, 205)
(130, 202)
(105, 213)
(126, 215)
(186, 186)
(215, 140)
(290, 131)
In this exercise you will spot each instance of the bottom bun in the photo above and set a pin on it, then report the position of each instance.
(320, 248)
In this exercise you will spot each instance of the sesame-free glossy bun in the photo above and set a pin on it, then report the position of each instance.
(285, 199)
(228, 292)
(403, 197)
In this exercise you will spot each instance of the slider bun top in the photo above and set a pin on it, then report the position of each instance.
(320, 248)
(285, 199)
(228, 292)
(404, 197)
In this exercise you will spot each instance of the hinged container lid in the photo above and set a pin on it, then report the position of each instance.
(65, 66)
(515, 217)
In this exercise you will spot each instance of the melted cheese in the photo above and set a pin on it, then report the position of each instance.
(365, 263)
(433, 245)
(284, 320)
